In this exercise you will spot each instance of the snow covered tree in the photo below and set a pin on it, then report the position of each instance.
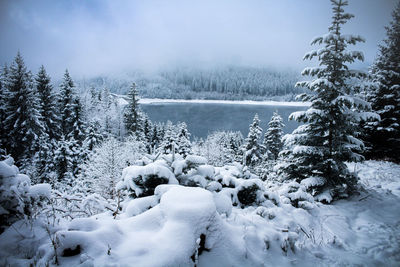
(169, 142)
(23, 121)
(273, 136)
(156, 136)
(93, 137)
(147, 132)
(384, 135)
(94, 100)
(66, 104)
(132, 112)
(62, 161)
(77, 121)
(220, 148)
(252, 149)
(76, 138)
(103, 169)
(44, 160)
(183, 140)
(318, 150)
(78, 153)
(3, 103)
(47, 104)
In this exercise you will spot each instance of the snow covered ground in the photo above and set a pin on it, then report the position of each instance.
(239, 102)
(122, 101)
(184, 226)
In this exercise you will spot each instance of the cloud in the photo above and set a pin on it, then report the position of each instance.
(93, 37)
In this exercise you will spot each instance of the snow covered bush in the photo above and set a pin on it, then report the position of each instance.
(220, 148)
(103, 169)
(18, 199)
(142, 180)
(193, 171)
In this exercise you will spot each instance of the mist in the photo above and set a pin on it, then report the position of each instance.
(102, 37)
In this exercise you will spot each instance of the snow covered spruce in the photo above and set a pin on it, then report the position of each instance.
(317, 150)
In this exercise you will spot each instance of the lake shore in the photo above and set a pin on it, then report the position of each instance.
(146, 101)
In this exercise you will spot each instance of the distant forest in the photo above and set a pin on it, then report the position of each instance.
(229, 83)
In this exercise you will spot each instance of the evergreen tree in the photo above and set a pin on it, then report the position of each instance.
(319, 149)
(106, 100)
(106, 108)
(169, 141)
(384, 135)
(62, 159)
(273, 136)
(147, 131)
(76, 138)
(66, 104)
(76, 119)
(47, 104)
(93, 137)
(132, 112)
(78, 154)
(23, 121)
(3, 103)
(252, 149)
(156, 136)
(43, 160)
(235, 143)
(94, 101)
(183, 140)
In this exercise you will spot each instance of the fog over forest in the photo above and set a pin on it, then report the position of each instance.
(93, 38)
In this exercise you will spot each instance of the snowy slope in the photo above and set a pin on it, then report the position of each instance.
(181, 226)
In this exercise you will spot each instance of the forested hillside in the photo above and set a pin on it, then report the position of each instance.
(230, 83)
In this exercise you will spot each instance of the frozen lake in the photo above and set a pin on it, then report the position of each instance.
(204, 118)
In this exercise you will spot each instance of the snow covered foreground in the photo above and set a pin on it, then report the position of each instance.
(183, 226)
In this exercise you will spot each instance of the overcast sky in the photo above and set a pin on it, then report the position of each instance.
(97, 36)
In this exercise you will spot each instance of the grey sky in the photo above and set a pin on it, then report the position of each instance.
(93, 37)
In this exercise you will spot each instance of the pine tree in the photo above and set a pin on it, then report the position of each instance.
(148, 134)
(47, 104)
(106, 108)
(319, 149)
(94, 101)
(66, 103)
(76, 119)
(43, 160)
(3, 103)
(23, 121)
(62, 159)
(169, 141)
(78, 154)
(183, 140)
(384, 135)
(76, 138)
(156, 136)
(132, 112)
(93, 137)
(273, 136)
(252, 149)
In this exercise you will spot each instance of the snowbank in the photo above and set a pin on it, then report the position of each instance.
(183, 226)
(145, 101)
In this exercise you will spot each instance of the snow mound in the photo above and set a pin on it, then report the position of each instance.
(40, 190)
(7, 169)
(142, 180)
